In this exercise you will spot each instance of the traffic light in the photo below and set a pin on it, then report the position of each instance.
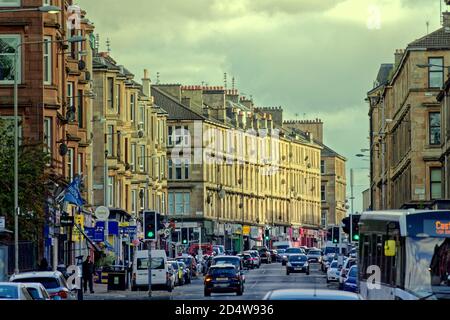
(336, 235)
(150, 228)
(267, 235)
(184, 236)
(355, 227)
(346, 227)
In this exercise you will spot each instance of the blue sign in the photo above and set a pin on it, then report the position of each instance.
(89, 232)
(131, 231)
(437, 228)
(99, 232)
(113, 228)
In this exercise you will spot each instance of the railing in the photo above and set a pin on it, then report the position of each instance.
(27, 256)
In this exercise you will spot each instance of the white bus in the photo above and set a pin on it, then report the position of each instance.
(404, 255)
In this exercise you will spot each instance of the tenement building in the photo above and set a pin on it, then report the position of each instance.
(233, 174)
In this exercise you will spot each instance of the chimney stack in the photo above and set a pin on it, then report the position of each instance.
(398, 56)
(446, 21)
(146, 84)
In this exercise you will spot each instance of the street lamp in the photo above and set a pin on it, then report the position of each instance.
(16, 128)
(43, 9)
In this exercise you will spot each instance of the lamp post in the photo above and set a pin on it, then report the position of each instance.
(43, 9)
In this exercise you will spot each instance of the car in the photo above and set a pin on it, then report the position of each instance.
(264, 255)
(333, 271)
(280, 253)
(311, 294)
(53, 281)
(256, 258)
(345, 268)
(353, 253)
(219, 249)
(248, 262)
(236, 261)
(179, 272)
(14, 291)
(314, 255)
(351, 282)
(190, 263)
(290, 251)
(223, 278)
(326, 261)
(297, 263)
(38, 292)
(273, 255)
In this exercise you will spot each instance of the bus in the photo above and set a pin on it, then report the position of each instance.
(404, 255)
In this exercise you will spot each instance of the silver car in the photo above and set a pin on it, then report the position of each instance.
(14, 291)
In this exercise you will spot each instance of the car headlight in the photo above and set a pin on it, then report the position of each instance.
(306, 264)
(289, 264)
(284, 257)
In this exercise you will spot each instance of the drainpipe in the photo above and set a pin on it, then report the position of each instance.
(383, 155)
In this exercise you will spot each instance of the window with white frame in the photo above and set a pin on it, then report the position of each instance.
(109, 140)
(80, 164)
(179, 203)
(8, 45)
(163, 203)
(170, 165)
(118, 98)
(48, 136)
(71, 98)
(142, 158)
(110, 196)
(323, 193)
(70, 163)
(170, 136)
(10, 3)
(142, 202)
(133, 202)
(142, 116)
(132, 107)
(47, 60)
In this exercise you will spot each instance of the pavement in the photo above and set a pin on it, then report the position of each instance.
(258, 283)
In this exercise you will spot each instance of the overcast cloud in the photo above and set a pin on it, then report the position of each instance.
(313, 58)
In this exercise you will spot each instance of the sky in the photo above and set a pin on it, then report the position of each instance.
(316, 59)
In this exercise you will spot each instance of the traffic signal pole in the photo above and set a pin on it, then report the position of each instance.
(149, 267)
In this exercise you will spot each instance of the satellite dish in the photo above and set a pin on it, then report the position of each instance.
(81, 65)
(140, 134)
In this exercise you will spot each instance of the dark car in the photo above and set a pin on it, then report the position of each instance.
(290, 251)
(351, 283)
(273, 255)
(314, 255)
(224, 278)
(248, 262)
(297, 263)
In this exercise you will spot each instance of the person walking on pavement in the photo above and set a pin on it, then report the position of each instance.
(88, 272)
(43, 266)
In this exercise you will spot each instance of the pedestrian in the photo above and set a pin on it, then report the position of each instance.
(43, 266)
(88, 272)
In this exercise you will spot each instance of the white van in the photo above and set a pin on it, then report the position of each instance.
(160, 273)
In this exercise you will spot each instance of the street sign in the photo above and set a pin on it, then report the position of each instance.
(167, 232)
(102, 213)
(67, 221)
(2, 223)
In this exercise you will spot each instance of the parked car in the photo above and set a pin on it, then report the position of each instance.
(38, 292)
(351, 282)
(310, 294)
(297, 263)
(14, 291)
(290, 251)
(53, 281)
(333, 271)
(344, 271)
(248, 262)
(223, 278)
(315, 255)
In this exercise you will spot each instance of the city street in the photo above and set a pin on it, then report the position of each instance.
(258, 283)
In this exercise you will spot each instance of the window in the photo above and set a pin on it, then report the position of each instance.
(434, 121)
(110, 92)
(10, 3)
(170, 136)
(109, 140)
(118, 98)
(133, 157)
(323, 193)
(80, 164)
(142, 192)
(110, 195)
(132, 107)
(178, 170)
(324, 218)
(163, 203)
(80, 109)
(435, 72)
(48, 135)
(435, 183)
(133, 202)
(179, 203)
(170, 169)
(47, 60)
(70, 163)
(142, 158)
(322, 166)
(70, 100)
(142, 115)
(8, 45)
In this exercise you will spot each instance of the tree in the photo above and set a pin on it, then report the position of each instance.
(33, 178)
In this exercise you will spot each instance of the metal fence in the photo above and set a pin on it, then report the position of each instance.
(27, 256)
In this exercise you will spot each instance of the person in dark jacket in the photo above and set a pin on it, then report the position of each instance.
(43, 266)
(88, 272)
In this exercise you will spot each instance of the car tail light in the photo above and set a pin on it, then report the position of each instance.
(208, 279)
(62, 294)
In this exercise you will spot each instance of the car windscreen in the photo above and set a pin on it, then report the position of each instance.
(47, 282)
(222, 272)
(297, 258)
(315, 253)
(8, 292)
(334, 264)
(157, 263)
(293, 250)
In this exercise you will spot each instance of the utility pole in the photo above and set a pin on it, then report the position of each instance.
(149, 268)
